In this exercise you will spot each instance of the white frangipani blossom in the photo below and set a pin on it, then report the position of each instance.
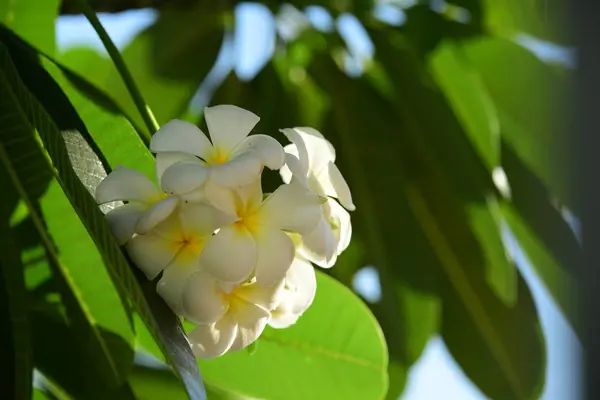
(231, 159)
(229, 317)
(300, 286)
(174, 247)
(256, 243)
(311, 160)
(147, 207)
(230, 259)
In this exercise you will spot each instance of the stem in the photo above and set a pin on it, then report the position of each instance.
(117, 59)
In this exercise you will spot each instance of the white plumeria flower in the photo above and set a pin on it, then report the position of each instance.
(231, 160)
(147, 207)
(174, 247)
(256, 243)
(311, 160)
(298, 294)
(229, 317)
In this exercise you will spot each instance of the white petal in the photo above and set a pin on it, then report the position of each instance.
(281, 319)
(122, 220)
(203, 299)
(270, 151)
(293, 168)
(166, 159)
(220, 197)
(266, 296)
(228, 125)
(238, 171)
(156, 214)
(291, 207)
(320, 151)
(213, 340)
(151, 253)
(173, 281)
(251, 320)
(202, 219)
(340, 219)
(180, 136)
(275, 252)
(299, 294)
(302, 278)
(334, 185)
(126, 184)
(297, 148)
(320, 245)
(184, 177)
(230, 255)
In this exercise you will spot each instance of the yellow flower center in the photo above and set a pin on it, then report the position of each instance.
(189, 245)
(217, 157)
(155, 199)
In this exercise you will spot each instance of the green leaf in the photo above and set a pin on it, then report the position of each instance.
(168, 61)
(426, 211)
(534, 122)
(456, 172)
(469, 100)
(169, 337)
(548, 19)
(17, 359)
(544, 235)
(335, 350)
(33, 20)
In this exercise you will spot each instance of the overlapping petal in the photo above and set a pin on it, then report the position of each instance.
(157, 213)
(126, 184)
(151, 253)
(181, 136)
(298, 294)
(292, 207)
(184, 177)
(204, 300)
(228, 125)
(122, 221)
(275, 252)
(213, 340)
(230, 255)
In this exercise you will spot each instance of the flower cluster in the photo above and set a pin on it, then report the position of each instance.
(232, 259)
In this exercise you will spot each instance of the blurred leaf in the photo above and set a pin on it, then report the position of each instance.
(425, 211)
(335, 350)
(455, 171)
(544, 235)
(469, 100)
(533, 108)
(16, 361)
(170, 338)
(168, 61)
(33, 20)
(550, 20)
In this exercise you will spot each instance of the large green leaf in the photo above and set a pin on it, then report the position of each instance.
(170, 338)
(533, 108)
(101, 320)
(17, 359)
(335, 350)
(429, 217)
(33, 20)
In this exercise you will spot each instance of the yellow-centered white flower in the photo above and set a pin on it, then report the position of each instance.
(311, 160)
(256, 244)
(231, 159)
(300, 286)
(174, 246)
(147, 207)
(229, 317)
